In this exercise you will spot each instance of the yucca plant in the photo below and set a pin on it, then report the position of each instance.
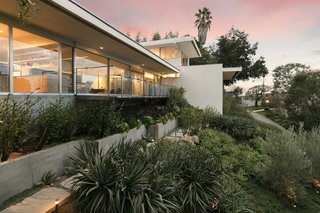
(122, 180)
(200, 189)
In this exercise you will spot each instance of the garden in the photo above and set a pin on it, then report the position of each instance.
(239, 164)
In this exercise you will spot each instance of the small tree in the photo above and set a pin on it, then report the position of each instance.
(257, 93)
(303, 99)
(171, 34)
(235, 50)
(156, 36)
(283, 75)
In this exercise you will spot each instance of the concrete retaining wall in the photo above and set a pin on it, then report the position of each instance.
(22, 173)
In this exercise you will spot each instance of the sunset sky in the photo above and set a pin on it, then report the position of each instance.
(286, 30)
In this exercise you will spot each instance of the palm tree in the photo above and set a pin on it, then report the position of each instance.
(203, 23)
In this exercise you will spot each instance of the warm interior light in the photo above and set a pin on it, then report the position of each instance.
(57, 202)
(1, 31)
(101, 48)
(142, 65)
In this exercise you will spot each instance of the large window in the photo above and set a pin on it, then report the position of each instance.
(169, 52)
(92, 72)
(35, 63)
(67, 66)
(120, 78)
(4, 49)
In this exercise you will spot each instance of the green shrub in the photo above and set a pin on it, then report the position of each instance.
(132, 178)
(55, 123)
(148, 121)
(98, 119)
(15, 121)
(289, 168)
(48, 178)
(177, 98)
(232, 107)
(122, 127)
(235, 198)
(239, 128)
(312, 148)
(191, 118)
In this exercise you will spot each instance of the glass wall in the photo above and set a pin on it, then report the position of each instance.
(166, 52)
(4, 59)
(120, 78)
(92, 73)
(35, 61)
(67, 67)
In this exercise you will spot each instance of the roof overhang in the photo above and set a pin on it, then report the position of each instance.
(187, 45)
(231, 73)
(66, 19)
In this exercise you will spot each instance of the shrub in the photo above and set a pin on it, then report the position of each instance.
(191, 118)
(15, 120)
(148, 121)
(177, 97)
(200, 188)
(98, 119)
(55, 123)
(232, 107)
(239, 128)
(312, 148)
(289, 168)
(48, 178)
(132, 178)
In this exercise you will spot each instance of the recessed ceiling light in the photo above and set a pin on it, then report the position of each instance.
(142, 65)
(101, 48)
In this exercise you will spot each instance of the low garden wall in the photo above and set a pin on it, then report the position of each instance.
(22, 173)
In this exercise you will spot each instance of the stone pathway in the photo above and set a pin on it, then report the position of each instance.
(42, 201)
(264, 119)
(175, 136)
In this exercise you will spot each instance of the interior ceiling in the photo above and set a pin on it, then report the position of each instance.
(229, 75)
(67, 26)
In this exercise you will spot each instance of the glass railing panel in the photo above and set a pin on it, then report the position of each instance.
(137, 87)
(126, 86)
(115, 85)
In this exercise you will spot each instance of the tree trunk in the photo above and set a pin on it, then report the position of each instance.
(256, 102)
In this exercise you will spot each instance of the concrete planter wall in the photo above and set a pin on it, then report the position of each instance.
(22, 173)
(159, 130)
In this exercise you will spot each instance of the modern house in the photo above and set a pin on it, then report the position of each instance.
(203, 83)
(66, 51)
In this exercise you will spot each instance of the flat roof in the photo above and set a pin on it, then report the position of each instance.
(187, 44)
(72, 22)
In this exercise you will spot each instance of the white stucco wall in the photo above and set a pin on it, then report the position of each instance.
(203, 84)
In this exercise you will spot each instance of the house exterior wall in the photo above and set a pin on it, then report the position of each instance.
(203, 85)
(174, 61)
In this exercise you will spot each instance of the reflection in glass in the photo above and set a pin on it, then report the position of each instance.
(35, 63)
(92, 72)
(67, 78)
(4, 68)
(120, 78)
